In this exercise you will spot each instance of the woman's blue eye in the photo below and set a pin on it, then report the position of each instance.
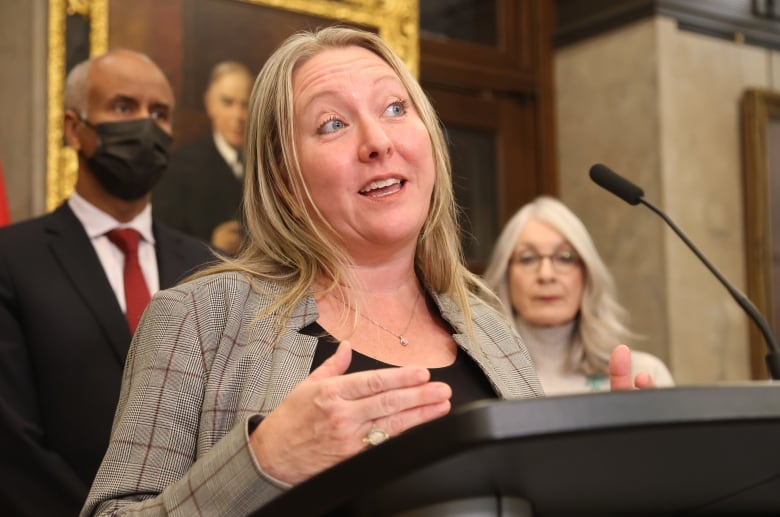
(397, 108)
(331, 126)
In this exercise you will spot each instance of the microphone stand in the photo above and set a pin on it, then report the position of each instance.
(773, 356)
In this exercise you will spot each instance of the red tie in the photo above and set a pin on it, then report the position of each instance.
(136, 292)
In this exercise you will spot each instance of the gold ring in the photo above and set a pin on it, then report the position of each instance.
(375, 437)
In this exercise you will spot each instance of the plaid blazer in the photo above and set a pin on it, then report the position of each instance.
(202, 364)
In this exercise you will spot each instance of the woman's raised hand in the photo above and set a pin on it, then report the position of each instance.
(328, 417)
(620, 372)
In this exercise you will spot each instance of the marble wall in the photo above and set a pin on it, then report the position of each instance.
(661, 107)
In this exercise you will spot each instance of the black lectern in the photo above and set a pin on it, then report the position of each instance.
(676, 451)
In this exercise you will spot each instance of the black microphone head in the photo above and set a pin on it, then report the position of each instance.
(608, 179)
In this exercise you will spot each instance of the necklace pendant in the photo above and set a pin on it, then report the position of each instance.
(403, 340)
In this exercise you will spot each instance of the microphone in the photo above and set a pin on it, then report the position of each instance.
(621, 187)
(609, 180)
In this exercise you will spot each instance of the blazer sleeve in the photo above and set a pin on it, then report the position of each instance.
(34, 480)
(155, 464)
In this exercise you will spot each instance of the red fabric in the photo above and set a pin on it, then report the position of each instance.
(136, 291)
(5, 215)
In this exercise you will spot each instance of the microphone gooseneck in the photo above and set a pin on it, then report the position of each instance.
(633, 195)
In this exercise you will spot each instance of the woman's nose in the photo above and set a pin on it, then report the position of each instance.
(375, 143)
(545, 270)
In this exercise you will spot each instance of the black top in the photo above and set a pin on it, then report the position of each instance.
(467, 381)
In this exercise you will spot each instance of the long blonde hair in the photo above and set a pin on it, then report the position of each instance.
(284, 244)
(601, 319)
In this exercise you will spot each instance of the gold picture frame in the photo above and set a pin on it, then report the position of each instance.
(761, 180)
(395, 20)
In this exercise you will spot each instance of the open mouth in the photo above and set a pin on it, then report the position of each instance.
(383, 187)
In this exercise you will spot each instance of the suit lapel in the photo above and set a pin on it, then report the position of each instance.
(73, 250)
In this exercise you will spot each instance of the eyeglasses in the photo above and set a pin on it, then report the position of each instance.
(562, 261)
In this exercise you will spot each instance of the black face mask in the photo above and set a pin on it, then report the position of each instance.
(130, 157)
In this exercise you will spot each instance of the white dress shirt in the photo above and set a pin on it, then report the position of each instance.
(230, 155)
(97, 223)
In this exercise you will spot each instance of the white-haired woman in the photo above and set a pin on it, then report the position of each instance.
(560, 296)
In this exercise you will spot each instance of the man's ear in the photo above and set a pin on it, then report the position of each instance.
(72, 125)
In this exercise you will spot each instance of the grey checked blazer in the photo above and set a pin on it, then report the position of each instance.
(202, 363)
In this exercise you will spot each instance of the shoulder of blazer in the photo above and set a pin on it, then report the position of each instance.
(237, 291)
(168, 235)
(61, 220)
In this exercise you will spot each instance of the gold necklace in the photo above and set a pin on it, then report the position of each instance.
(400, 337)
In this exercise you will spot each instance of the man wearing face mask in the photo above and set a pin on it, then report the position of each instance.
(73, 285)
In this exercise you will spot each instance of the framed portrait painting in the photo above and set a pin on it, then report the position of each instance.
(186, 38)
(761, 174)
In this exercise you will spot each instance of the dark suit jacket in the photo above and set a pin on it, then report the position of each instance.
(198, 191)
(63, 344)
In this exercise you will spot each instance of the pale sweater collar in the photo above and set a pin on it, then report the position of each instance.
(549, 349)
(549, 346)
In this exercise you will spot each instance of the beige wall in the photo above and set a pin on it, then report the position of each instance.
(23, 40)
(661, 107)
